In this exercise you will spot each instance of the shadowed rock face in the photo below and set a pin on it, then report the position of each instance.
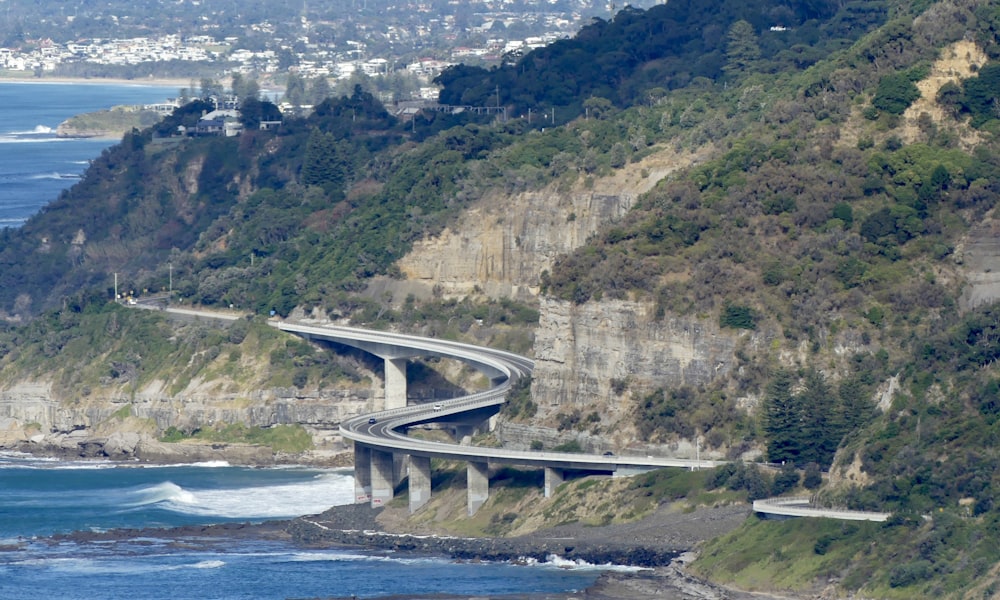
(580, 351)
(980, 257)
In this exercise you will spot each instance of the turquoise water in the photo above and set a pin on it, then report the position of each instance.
(42, 497)
(35, 165)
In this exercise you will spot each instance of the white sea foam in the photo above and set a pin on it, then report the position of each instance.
(327, 557)
(38, 130)
(554, 560)
(30, 139)
(82, 466)
(89, 566)
(56, 176)
(274, 501)
(354, 557)
(208, 464)
(161, 492)
(209, 564)
(28, 461)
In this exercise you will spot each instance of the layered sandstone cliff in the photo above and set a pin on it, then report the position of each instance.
(501, 246)
(37, 417)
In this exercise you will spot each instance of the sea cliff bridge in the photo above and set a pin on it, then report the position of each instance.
(385, 455)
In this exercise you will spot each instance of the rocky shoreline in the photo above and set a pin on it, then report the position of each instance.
(127, 447)
(660, 544)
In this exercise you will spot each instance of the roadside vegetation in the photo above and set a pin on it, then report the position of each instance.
(827, 229)
(901, 558)
(517, 506)
(289, 439)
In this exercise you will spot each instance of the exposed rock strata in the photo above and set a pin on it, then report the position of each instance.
(979, 255)
(581, 350)
(65, 130)
(501, 245)
(35, 418)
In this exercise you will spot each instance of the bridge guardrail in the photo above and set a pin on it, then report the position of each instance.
(513, 366)
(800, 507)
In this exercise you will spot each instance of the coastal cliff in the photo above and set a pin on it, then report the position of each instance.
(112, 123)
(503, 243)
(36, 418)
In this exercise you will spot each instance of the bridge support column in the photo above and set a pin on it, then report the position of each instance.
(464, 433)
(420, 482)
(381, 477)
(478, 485)
(400, 464)
(395, 383)
(362, 473)
(553, 478)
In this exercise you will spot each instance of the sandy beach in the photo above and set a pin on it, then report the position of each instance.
(175, 84)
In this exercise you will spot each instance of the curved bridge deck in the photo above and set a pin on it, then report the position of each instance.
(383, 451)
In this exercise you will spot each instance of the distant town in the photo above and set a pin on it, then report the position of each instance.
(49, 56)
(411, 42)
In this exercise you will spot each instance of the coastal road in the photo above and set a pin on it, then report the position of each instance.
(386, 430)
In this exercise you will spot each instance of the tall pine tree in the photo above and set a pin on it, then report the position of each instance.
(782, 421)
(742, 50)
(325, 163)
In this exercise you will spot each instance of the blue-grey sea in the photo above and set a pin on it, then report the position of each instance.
(35, 165)
(39, 498)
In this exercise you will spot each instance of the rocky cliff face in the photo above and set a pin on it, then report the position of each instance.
(605, 356)
(978, 256)
(600, 356)
(502, 244)
(582, 353)
(34, 416)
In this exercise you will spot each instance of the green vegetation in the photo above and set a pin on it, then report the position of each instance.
(808, 426)
(519, 404)
(639, 55)
(280, 438)
(895, 93)
(683, 412)
(822, 235)
(92, 344)
(115, 121)
(939, 557)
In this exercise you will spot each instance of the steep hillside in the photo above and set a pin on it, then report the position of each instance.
(784, 251)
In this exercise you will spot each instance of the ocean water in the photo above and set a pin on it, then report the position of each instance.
(39, 498)
(35, 165)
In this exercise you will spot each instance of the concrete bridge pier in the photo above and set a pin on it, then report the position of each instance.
(400, 465)
(395, 383)
(362, 473)
(478, 485)
(420, 482)
(382, 477)
(464, 433)
(553, 478)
